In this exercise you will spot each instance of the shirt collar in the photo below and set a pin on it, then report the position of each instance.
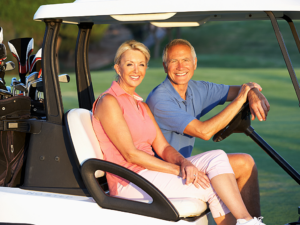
(174, 93)
(119, 91)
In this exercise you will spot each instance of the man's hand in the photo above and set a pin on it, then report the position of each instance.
(192, 175)
(259, 105)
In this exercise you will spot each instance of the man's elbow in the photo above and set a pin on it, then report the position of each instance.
(204, 135)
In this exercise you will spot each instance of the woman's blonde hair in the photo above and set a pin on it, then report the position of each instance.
(132, 44)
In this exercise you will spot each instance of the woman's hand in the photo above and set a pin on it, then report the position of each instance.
(245, 88)
(192, 175)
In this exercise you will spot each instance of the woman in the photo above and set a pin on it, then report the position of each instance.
(127, 132)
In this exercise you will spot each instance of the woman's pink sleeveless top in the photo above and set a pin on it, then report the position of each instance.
(141, 127)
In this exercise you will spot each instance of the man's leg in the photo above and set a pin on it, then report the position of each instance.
(246, 176)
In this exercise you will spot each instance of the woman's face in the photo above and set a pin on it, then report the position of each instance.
(132, 69)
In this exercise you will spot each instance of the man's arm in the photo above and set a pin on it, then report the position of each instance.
(205, 130)
(259, 105)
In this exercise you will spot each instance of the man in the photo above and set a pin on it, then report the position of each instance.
(178, 103)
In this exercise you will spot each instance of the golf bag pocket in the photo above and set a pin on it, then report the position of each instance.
(13, 137)
(16, 107)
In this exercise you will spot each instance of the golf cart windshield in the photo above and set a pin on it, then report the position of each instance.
(163, 14)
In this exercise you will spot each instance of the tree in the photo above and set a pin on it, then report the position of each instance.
(16, 18)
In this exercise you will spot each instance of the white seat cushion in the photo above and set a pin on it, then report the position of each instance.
(84, 139)
(87, 146)
(189, 207)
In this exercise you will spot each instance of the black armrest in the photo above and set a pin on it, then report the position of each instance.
(160, 207)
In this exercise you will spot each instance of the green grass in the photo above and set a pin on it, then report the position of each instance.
(280, 195)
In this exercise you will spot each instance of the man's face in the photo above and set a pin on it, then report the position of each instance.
(180, 65)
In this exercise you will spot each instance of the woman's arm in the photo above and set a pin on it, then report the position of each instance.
(169, 154)
(109, 113)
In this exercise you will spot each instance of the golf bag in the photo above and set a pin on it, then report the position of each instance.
(13, 139)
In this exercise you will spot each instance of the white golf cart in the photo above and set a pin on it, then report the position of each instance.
(62, 180)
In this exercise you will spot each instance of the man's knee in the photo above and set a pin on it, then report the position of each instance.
(242, 164)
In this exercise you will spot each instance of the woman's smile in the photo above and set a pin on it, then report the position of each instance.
(131, 69)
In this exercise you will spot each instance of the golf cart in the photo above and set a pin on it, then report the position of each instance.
(63, 179)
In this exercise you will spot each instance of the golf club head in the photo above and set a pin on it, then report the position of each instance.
(14, 81)
(31, 81)
(64, 78)
(33, 84)
(3, 54)
(31, 77)
(5, 94)
(21, 48)
(2, 81)
(2, 84)
(9, 66)
(8, 88)
(1, 35)
(36, 64)
(21, 87)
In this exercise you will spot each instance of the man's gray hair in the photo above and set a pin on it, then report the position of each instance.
(177, 42)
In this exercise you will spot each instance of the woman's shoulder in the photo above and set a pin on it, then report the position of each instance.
(106, 99)
(104, 103)
(145, 105)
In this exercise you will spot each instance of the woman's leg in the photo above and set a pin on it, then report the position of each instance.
(174, 186)
(226, 187)
(216, 165)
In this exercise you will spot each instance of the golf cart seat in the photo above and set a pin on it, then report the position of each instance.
(88, 151)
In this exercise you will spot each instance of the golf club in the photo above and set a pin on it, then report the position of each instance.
(36, 64)
(21, 88)
(8, 88)
(3, 54)
(33, 84)
(30, 60)
(5, 94)
(14, 81)
(31, 77)
(9, 66)
(21, 49)
(1, 35)
(2, 84)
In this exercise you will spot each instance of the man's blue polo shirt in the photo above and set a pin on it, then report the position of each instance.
(173, 114)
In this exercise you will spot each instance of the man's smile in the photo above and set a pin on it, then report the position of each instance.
(181, 74)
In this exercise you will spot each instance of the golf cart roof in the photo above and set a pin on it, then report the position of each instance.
(107, 11)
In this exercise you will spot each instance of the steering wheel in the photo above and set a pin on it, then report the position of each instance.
(238, 124)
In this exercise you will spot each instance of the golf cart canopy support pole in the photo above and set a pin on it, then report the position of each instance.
(273, 154)
(293, 29)
(285, 53)
(85, 90)
(53, 100)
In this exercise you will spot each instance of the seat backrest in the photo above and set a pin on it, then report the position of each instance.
(84, 139)
(86, 146)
